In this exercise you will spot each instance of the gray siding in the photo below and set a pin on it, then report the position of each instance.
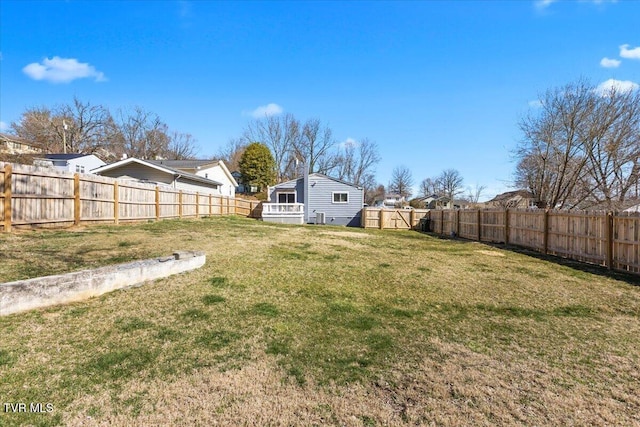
(321, 189)
(296, 185)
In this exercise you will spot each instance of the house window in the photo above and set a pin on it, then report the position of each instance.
(79, 168)
(286, 197)
(340, 197)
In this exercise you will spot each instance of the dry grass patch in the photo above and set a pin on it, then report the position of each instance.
(288, 325)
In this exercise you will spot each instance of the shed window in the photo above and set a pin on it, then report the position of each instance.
(340, 197)
(286, 197)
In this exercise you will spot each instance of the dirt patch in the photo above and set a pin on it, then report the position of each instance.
(491, 253)
(347, 234)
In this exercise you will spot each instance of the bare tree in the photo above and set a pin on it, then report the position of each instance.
(474, 193)
(356, 162)
(451, 183)
(401, 181)
(87, 126)
(314, 147)
(581, 146)
(182, 146)
(83, 127)
(35, 125)
(281, 134)
(143, 134)
(232, 153)
(612, 147)
(430, 186)
(373, 192)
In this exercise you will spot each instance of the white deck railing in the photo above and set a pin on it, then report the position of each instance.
(282, 209)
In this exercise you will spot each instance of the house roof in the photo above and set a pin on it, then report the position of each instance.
(292, 183)
(69, 156)
(195, 165)
(184, 164)
(174, 172)
(14, 138)
(511, 194)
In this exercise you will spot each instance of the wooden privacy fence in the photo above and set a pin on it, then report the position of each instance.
(603, 238)
(395, 219)
(33, 196)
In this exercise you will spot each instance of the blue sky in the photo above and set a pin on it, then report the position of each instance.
(436, 84)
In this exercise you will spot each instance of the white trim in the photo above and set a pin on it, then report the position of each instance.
(132, 160)
(225, 169)
(295, 195)
(333, 197)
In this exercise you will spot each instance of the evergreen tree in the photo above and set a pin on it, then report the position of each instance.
(257, 166)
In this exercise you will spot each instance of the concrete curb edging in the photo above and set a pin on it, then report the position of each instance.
(24, 295)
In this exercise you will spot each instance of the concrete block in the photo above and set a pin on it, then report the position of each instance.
(40, 292)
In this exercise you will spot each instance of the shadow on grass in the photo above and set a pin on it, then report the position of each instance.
(579, 267)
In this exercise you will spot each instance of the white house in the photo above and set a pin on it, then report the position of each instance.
(73, 162)
(390, 200)
(138, 170)
(215, 170)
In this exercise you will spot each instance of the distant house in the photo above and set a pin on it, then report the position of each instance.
(215, 170)
(390, 200)
(11, 144)
(314, 198)
(137, 170)
(522, 199)
(74, 162)
(434, 202)
(242, 187)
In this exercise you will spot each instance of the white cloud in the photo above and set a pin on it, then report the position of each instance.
(543, 4)
(610, 63)
(62, 70)
(3, 126)
(536, 103)
(618, 85)
(633, 53)
(348, 142)
(266, 111)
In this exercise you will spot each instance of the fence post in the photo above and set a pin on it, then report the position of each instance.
(7, 198)
(116, 203)
(545, 234)
(458, 223)
(363, 215)
(506, 226)
(180, 204)
(76, 199)
(609, 225)
(157, 203)
(479, 225)
(197, 205)
(210, 207)
(381, 219)
(412, 218)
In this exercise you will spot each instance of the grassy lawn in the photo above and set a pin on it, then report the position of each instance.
(292, 325)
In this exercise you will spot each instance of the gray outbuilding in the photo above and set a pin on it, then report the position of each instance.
(315, 199)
